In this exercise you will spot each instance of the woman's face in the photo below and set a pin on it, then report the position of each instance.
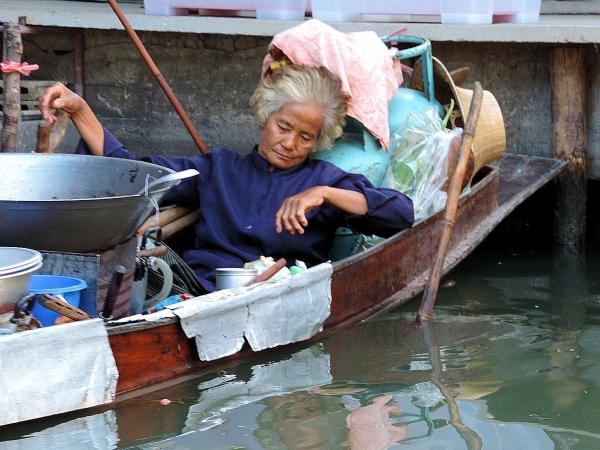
(290, 134)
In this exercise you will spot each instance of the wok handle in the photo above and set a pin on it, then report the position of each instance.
(28, 300)
(113, 293)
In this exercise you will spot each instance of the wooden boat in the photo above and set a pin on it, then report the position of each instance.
(129, 356)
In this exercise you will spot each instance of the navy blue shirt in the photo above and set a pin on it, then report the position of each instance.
(239, 197)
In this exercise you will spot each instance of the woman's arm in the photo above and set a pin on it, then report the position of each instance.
(58, 96)
(292, 213)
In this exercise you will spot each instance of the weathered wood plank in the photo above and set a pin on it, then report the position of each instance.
(568, 81)
(13, 51)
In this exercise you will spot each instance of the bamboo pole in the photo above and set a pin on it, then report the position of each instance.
(180, 224)
(454, 190)
(165, 217)
(161, 81)
(11, 109)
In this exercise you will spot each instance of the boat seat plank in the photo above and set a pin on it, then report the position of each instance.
(522, 175)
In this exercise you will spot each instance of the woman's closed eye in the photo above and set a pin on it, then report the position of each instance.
(283, 127)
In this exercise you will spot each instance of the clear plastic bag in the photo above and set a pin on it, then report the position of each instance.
(263, 263)
(419, 165)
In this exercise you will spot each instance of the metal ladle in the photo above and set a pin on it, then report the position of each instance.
(170, 177)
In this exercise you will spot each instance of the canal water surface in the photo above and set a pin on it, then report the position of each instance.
(510, 360)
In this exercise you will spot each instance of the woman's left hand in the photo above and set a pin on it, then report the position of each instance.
(292, 212)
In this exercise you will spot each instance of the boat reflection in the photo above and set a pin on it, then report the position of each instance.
(510, 361)
(416, 387)
(96, 431)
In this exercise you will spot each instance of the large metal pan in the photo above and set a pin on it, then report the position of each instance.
(74, 203)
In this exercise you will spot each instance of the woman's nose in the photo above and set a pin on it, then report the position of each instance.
(289, 141)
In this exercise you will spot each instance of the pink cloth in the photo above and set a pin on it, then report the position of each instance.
(361, 60)
(23, 68)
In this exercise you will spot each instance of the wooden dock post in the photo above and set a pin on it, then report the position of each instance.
(568, 82)
(13, 51)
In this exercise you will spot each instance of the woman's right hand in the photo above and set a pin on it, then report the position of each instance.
(58, 96)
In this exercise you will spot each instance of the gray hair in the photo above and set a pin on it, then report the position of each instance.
(303, 84)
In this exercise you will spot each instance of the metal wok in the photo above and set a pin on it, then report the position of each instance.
(74, 203)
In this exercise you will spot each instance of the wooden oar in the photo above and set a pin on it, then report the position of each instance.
(50, 135)
(163, 83)
(451, 206)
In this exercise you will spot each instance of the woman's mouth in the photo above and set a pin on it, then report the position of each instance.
(283, 156)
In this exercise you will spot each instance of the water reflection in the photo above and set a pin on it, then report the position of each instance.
(509, 361)
(471, 438)
(96, 431)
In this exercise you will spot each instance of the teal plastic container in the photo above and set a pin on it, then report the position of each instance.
(69, 287)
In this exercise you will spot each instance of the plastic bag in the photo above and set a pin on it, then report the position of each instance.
(263, 263)
(419, 165)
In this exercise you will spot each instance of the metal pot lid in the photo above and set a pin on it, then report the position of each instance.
(21, 272)
(14, 259)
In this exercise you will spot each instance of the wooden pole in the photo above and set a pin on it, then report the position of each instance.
(78, 62)
(454, 190)
(568, 82)
(161, 81)
(11, 109)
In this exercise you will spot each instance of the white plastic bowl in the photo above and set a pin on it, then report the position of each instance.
(16, 267)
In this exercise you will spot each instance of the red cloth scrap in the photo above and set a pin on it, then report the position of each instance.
(23, 68)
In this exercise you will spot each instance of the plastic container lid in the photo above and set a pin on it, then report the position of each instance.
(22, 271)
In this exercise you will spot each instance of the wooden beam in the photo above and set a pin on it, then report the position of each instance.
(13, 51)
(568, 83)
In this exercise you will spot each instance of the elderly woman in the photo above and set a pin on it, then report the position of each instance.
(275, 201)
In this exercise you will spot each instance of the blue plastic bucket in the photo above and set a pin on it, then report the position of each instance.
(70, 288)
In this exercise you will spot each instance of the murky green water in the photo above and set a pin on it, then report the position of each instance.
(511, 360)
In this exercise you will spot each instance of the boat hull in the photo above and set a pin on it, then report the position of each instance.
(363, 285)
(149, 352)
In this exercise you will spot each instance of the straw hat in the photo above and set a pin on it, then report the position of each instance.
(489, 142)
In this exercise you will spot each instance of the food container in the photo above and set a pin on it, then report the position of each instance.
(183, 7)
(372, 10)
(467, 11)
(234, 277)
(517, 11)
(280, 9)
(68, 287)
(336, 10)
